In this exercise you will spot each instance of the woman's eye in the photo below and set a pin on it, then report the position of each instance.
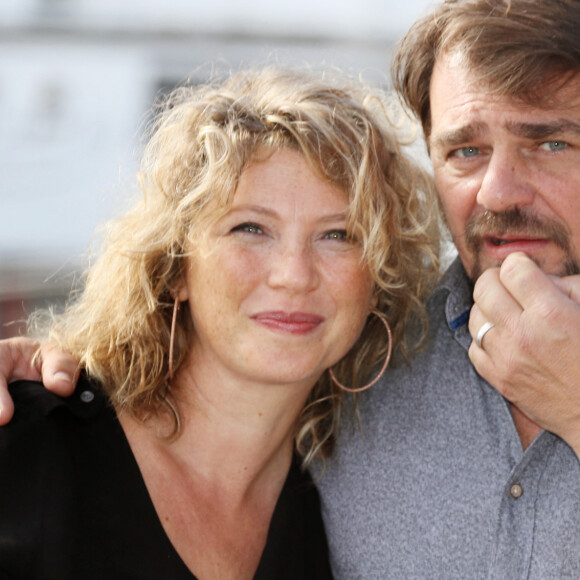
(248, 228)
(465, 152)
(340, 235)
(554, 145)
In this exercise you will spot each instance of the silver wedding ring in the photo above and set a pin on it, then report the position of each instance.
(482, 332)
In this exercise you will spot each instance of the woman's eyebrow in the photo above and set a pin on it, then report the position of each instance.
(259, 209)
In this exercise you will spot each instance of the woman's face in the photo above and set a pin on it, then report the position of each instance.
(279, 294)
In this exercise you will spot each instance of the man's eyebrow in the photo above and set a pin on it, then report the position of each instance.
(544, 130)
(458, 136)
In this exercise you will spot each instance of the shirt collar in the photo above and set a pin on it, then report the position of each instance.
(459, 299)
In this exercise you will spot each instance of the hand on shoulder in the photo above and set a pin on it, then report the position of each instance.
(26, 359)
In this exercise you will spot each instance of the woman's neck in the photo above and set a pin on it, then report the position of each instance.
(223, 474)
(220, 478)
(235, 433)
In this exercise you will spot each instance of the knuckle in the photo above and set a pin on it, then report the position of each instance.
(483, 284)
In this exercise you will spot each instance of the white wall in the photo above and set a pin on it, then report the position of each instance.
(78, 76)
(351, 18)
(69, 115)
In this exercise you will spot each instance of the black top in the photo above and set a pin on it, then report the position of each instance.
(73, 504)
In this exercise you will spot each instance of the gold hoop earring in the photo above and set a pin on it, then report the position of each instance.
(383, 369)
(172, 336)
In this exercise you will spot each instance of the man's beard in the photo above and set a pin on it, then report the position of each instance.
(516, 222)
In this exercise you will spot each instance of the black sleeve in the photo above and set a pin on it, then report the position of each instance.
(36, 513)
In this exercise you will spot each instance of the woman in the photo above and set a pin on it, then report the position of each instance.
(216, 334)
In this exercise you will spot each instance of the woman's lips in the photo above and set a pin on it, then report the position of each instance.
(292, 323)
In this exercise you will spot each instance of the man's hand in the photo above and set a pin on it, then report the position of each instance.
(57, 370)
(531, 355)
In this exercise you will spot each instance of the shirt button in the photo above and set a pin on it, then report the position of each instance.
(516, 491)
(87, 396)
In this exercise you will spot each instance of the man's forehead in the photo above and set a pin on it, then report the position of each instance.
(553, 91)
(464, 106)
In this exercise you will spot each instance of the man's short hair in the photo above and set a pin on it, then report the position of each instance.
(516, 48)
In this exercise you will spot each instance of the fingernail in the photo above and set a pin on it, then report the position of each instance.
(62, 376)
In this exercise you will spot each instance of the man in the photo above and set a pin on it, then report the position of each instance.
(447, 479)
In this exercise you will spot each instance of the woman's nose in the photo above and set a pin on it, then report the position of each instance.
(294, 268)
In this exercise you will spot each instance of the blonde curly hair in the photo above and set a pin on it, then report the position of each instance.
(200, 141)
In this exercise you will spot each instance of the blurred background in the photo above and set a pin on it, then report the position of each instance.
(78, 77)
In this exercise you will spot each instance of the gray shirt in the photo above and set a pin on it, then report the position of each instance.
(435, 483)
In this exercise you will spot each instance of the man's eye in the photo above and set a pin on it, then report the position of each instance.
(465, 152)
(248, 228)
(554, 145)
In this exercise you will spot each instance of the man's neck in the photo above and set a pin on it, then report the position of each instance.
(527, 429)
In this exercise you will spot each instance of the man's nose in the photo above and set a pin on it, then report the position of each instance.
(506, 183)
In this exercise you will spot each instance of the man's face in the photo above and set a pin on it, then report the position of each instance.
(508, 173)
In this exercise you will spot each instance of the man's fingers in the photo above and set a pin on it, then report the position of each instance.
(59, 370)
(6, 404)
(16, 356)
(493, 303)
(531, 287)
(21, 359)
(568, 285)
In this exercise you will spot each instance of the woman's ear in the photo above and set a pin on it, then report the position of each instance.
(180, 290)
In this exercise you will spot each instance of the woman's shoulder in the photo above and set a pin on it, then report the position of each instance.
(41, 416)
(71, 491)
(33, 402)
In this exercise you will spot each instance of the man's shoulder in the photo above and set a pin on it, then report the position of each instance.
(444, 350)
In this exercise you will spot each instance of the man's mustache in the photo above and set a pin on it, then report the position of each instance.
(515, 222)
